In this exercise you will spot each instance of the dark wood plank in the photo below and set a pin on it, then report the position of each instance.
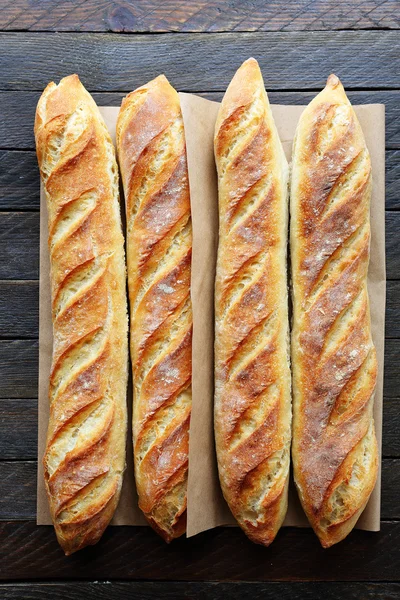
(19, 245)
(19, 368)
(18, 497)
(18, 429)
(392, 245)
(392, 309)
(199, 62)
(19, 180)
(392, 371)
(19, 309)
(16, 126)
(393, 178)
(390, 507)
(200, 590)
(391, 427)
(16, 130)
(197, 16)
(31, 552)
(22, 383)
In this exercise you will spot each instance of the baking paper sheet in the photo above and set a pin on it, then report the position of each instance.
(206, 506)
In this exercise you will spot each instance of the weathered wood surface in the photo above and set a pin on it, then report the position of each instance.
(31, 552)
(19, 309)
(19, 179)
(295, 65)
(18, 496)
(16, 126)
(19, 245)
(201, 62)
(19, 368)
(18, 429)
(198, 16)
(392, 179)
(150, 590)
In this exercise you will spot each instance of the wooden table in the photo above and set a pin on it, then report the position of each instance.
(198, 45)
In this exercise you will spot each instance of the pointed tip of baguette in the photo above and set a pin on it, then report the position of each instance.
(333, 81)
(250, 60)
(70, 78)
(247, 75)
(160, 81)
(250, 63)
(160, 78)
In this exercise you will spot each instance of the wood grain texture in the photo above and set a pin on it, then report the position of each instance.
(191, 62)
(392, 246)
(392, 180)
(19, 368)
(16, 126)
(194, 63)
(19, 309)
(391, 427)
(392, 309)
(391, 384)
(18, 429)
(19, 180)
(19, 176)
(20, 185)
(22, 383)
(18, 497)
(19, 245)
(31, 552)
(199, 15)
(151, 590)
(18, 436)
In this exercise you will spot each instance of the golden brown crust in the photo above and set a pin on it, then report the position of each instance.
(252, 375)
(152, 157)
(85, 452)
(333, 356)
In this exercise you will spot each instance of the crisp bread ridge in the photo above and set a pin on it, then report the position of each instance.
(84, 458)
(335, 453)
(152, 157)
(252, 372)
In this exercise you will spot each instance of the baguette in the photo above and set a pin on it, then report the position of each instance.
(252, 371)
(335, 453)
(152, 157)
(84, 458)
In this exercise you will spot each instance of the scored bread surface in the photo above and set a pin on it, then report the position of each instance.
(252, 373)
(335, 453)
(152, 157)
(84, 458)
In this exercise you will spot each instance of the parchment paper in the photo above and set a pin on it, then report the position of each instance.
(206, 506)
